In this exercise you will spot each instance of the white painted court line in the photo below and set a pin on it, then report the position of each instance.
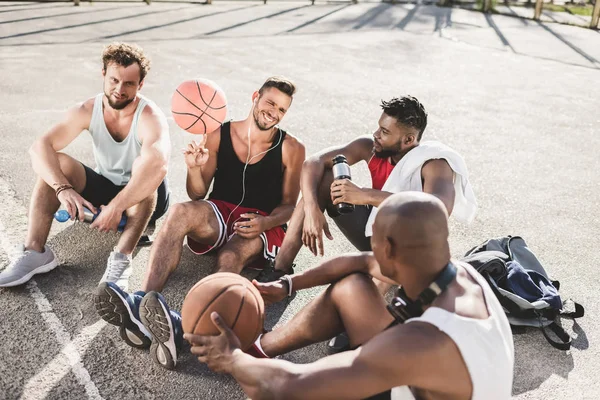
(69, 357)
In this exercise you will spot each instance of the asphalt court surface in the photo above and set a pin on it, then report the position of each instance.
(518, 99)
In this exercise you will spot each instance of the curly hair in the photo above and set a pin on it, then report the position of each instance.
(125, 54)
(408, 111)
(283, 84)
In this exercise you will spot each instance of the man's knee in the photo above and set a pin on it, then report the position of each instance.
(144, 207)
(178, 214)
(73, 170)
(191, 216)
(346, 288)
(325, 189)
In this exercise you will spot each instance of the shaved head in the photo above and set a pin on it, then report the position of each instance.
(410, 235)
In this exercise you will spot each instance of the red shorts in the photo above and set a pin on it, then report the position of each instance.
(227, 214)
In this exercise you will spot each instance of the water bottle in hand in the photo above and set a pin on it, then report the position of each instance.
(88, 216)
(341, 170)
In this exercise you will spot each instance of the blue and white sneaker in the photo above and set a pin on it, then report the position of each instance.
(122, 309)
(164, 326)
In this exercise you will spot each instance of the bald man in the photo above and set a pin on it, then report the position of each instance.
(453, 341)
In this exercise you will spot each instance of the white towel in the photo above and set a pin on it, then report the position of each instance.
(406, 176)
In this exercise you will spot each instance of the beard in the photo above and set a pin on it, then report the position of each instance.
(262, 126)
(117, 105)
(386, 153)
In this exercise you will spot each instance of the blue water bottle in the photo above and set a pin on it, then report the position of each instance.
(88, 216)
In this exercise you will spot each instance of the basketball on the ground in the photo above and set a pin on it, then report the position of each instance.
(234, 297)
(199, 106)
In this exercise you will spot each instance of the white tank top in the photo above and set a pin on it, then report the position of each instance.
(114, 160)
(486, 346)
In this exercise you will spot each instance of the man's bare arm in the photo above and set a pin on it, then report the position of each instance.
(293, 155)
(44, 150)
(438, 180)
(150, 168)
(336, 268)
(199, 177)
(416, 354)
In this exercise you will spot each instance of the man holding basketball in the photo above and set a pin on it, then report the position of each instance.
(254, 167)
(445, 337)
(131, 148)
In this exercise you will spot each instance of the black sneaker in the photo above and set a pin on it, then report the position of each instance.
(122, 309)
(338, 344)
(164, 326)
(270, 274)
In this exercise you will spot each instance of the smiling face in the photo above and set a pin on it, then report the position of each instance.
(121, 84)
(270, 107)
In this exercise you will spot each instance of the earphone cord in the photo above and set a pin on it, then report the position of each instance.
(248, 160)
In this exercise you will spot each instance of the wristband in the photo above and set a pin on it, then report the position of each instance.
(288, 281)
(62, 187)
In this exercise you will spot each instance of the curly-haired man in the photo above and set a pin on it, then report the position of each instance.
(398, 161)
(131, 149)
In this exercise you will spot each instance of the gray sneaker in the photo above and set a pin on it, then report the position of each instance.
(25, 264)
(118, 269)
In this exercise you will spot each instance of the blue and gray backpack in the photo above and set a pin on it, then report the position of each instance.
(527, 294)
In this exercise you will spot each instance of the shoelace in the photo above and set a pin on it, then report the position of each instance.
(17, 253)
(115, 269)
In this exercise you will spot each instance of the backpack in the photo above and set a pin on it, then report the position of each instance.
(525, 291)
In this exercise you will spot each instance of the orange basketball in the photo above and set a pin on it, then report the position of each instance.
(199, 106)
(236, 300)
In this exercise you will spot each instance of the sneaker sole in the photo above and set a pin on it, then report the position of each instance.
(39, 270)
(271, 276)
(115, 310)
(157, 320)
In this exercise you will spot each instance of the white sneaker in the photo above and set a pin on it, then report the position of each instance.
(118, 269)
(25, 264)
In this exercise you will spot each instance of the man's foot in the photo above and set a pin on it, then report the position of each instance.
(25, 264)
(270, 274)
(164, 326)
(338, 344)
(118, 269)
(121, 309)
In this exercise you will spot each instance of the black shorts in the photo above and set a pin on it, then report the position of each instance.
(353, 225)
(100, 191)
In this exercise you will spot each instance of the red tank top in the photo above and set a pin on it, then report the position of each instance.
(380, 169)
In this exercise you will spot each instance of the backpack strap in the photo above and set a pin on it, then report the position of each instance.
(565, 338)
(572, 309)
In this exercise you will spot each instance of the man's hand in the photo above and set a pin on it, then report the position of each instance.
(74, 203)
(254, 226)
(271, 292)
(215, 351)
(108, 219)
(346, 191)
(196, 155)
(315, 224)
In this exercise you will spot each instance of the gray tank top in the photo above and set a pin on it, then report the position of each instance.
(114, 160)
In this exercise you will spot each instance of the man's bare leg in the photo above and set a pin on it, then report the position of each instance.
(353, 304)
(194, 218)
(238, 253)
(292, 243)
(138, 217)
(44, 202)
